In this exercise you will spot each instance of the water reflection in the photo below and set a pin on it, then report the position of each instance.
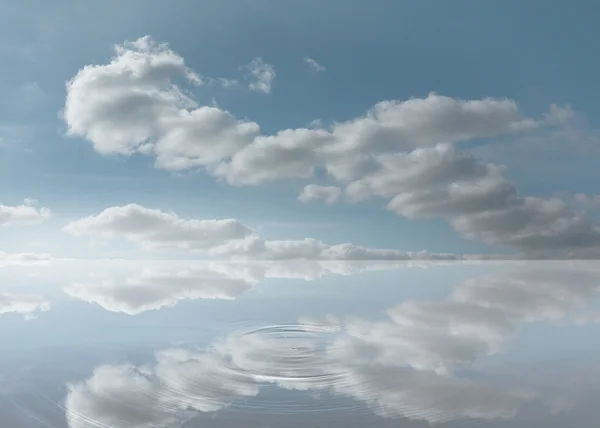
(154, 288)
(27, 305)
(496, 344)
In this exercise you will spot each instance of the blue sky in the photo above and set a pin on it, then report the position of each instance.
(536, 53)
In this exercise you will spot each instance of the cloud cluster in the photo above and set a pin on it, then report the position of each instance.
(25, 214)
(155, 229)
(402, 151)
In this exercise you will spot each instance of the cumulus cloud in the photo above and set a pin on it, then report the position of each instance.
(25, 214)
(327, 194)
(314, 65)
(477, 200)
(155, 229)
(401, 150)
(262, 74)
(27, 305)
(131, 106)
(152, 228)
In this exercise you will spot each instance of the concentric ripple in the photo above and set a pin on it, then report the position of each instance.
(293, 357)
(293, 354)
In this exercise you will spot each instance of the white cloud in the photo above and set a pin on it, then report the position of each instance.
(314, 65)
(402, 151)
(120, 106)
(262, 74)
(477, 200)
(155, 229)
(152, 228)
(112, 106)
(328, 194)
(287, 155)
(347, 151)
(25, 214)
(27, 305)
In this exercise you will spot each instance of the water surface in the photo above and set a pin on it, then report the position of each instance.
(173, 344)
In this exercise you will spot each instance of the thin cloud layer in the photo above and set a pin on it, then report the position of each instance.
(25, 214)
(155, 229)
(328, 194)
(402, 151)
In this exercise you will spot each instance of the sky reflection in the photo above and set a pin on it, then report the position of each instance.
(438, 343)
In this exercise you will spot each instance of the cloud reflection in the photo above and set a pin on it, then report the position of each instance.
(28, 305)
(419, 363)
(151, 287)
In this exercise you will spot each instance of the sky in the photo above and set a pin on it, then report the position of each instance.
(147, 129)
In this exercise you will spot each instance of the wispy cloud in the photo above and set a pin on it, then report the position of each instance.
(263, 75)
(314, 65)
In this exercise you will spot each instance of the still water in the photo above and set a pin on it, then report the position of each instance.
(172, 344)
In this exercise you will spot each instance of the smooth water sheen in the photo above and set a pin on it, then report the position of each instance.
(132, 345)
